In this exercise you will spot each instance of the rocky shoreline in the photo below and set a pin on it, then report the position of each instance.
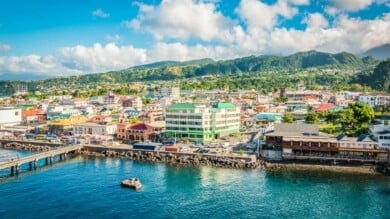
(23, 146)
(197, 159)
(173, 158)
(371, 170)
(207, 160)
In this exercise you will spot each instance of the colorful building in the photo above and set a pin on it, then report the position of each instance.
(65, 125)
(201, 123)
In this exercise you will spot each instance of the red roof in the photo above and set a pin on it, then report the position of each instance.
(310, 97)
(141, 126)
(31, 112)
(323, 107)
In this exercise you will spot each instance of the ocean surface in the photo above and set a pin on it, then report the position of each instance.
(88, 187)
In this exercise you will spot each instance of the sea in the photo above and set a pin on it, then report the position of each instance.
(89, 187)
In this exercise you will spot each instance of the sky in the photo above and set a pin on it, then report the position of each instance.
(66, 37)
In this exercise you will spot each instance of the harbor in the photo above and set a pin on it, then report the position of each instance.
(86, 185)
(188, 158)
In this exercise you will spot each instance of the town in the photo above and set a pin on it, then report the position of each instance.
(287, 125)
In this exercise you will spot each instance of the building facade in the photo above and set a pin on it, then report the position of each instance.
(104, 131)
(375, 100)
(381, 131)
(201, 123)
(171, 92)
(10, 116)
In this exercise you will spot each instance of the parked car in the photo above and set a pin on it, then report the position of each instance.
(225, 144)
(184, 149)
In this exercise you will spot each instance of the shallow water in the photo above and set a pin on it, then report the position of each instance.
(88, 187)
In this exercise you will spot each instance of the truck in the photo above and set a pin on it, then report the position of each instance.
(147, 146)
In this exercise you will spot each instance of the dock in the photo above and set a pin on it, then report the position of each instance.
(32, 160)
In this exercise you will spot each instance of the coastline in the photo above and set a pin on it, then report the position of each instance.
(369, 170)
(207, 160)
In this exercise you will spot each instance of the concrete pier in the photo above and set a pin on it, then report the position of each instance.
(32, 160)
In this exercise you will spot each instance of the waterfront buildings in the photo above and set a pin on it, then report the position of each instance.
(201, 122)
(95, 131)
(139, 131)
(306, 140)
(60, 126)
(381, 131)
(303, 139)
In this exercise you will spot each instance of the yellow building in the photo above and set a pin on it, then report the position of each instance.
(65, 125)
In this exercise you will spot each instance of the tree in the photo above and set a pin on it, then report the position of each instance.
(356, 117)
(331, 117)
(280, 99)
(381, 76)
(287, 118)
(312, 118)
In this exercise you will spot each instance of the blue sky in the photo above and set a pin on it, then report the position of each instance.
(75, 37)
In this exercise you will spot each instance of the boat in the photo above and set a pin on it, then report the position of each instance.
(133, 183)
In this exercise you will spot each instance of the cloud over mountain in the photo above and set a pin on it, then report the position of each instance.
(193, 29)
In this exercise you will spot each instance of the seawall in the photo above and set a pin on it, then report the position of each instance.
(28, 145)
(175, 157)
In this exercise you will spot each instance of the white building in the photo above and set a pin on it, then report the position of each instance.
(10, 116)
(171, 92)
(137, 103)
(362, 142)
(382, 133)
(375, 100)
(103, 130)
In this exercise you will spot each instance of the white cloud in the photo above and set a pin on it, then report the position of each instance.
(34, 64)
(385, 2)
(259, 15)
(4, 47)
(184, 19)
(182, 52)
(316, 21)
(113, 38)
(300, 2)
(101, 58)
(76, 60)
(337, 6)
(260, 33)
(100, 13)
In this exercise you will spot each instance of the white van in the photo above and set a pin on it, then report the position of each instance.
(225, 144)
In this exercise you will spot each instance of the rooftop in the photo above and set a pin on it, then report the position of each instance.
(285, 129)
(225, 105)
(181, 106)
(93, 124)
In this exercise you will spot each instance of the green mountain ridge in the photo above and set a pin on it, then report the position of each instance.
(170, 70)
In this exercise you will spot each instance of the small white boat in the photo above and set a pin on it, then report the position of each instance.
(133, 183)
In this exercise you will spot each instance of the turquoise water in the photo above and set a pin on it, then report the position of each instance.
(87, 187)
(6, 155)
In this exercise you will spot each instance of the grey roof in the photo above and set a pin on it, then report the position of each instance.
(360, 138)
(286, 129)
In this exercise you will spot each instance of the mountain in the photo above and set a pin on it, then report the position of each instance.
(300, 60)
(379, 52)
(170, 70)
(174, 63)
(378, 79)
